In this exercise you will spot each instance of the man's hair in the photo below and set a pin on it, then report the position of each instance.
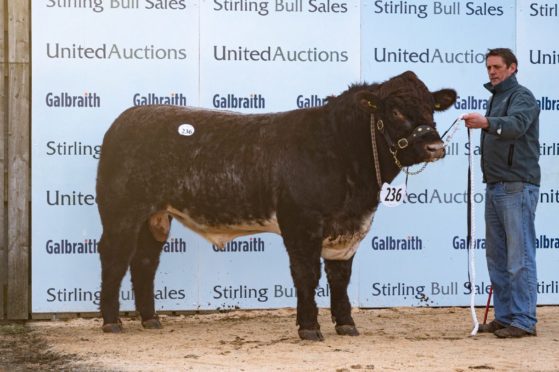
(508, 56)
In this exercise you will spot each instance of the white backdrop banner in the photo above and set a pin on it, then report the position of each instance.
(94, 58)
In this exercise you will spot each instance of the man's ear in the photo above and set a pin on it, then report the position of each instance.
(368, 101)
(444, 98)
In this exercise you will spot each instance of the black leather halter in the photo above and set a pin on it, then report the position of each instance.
(393, 147)
(403, 142)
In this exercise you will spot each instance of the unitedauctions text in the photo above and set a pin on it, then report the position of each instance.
(279, 54)
(114, 51)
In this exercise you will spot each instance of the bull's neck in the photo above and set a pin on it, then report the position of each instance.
(384, 162)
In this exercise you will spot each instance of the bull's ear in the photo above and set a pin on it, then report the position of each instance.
(368, 101)
(444, 98)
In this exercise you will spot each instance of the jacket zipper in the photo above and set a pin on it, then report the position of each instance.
(511, 153)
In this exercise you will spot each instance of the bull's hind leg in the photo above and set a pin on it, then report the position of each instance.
(302, 236)
(339, 273)
(115, 248)
(143, 267)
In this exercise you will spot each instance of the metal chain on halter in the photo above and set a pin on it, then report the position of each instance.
(375, 151)
(449, 132)
(406, 169)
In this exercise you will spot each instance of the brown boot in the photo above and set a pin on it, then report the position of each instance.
(513, 332)
(490, 327)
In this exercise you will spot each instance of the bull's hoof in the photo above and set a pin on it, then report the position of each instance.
(152, 323)
(311, 334)
(347, 330)
(112, 328)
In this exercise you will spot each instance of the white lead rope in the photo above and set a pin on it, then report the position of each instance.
(472, 226)
(471, 247)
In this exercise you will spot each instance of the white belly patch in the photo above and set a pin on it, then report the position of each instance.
(340, 248)
(220, 235)
(343, 247)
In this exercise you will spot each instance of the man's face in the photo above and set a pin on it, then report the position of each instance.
(498, 70)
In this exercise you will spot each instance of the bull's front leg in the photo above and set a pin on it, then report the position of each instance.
(305, 270)
(339, 274)
(302, 236)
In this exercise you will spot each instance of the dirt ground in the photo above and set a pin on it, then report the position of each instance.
(397, 339)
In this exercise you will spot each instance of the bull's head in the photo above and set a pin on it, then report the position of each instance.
(402, 111)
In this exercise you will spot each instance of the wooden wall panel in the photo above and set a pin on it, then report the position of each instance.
(18, 122)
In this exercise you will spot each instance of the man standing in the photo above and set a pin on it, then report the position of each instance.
(509, 162)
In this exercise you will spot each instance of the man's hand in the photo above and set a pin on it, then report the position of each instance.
(475, 120)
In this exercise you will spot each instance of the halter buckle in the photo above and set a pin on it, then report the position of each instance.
(403, 143)
(380, 125)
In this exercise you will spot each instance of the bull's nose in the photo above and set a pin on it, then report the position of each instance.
(435, 146)
(435, 150)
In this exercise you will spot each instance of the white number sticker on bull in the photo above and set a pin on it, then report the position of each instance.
(186, 130)
(392, 196)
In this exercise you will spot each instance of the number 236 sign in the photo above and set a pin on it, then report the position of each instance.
(392, 196)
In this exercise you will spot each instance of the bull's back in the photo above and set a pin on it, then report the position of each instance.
(226, 164)
(159, 131)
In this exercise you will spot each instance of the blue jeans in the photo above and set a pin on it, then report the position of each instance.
(510, 210)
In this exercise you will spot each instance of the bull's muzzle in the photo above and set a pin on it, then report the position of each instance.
(435, 151)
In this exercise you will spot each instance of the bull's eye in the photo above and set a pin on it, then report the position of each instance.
(396, 113)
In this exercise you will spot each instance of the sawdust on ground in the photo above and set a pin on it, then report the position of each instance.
(396, 339)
